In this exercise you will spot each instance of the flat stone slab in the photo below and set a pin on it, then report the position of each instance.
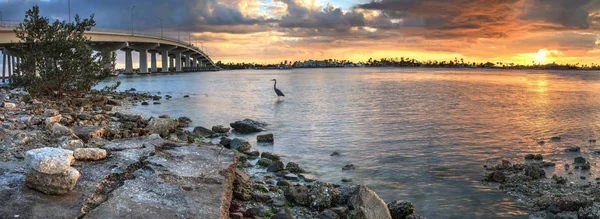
(159, 180)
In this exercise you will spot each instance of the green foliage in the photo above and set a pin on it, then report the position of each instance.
(55, 56)
(111, 88)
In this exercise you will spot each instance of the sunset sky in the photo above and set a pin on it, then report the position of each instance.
(519, 31)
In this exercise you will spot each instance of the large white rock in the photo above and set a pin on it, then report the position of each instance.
(50, 160)
(8, 105)
(52, 184)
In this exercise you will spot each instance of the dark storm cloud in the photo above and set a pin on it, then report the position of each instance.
(568, 13)
(192, 15)
(328, 18)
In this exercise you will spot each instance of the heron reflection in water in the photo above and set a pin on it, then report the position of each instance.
(277, 91)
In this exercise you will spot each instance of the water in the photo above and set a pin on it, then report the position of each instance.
(416, 134)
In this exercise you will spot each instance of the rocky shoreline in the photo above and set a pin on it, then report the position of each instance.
(87, 156)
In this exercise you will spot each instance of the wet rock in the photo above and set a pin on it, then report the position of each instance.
(265, 138)
(145, 103)
(297, 194)
(220, 129)
(53, 184)
(275, 167)
(252, 154)
(236, 215)
(293, 167)
(341, 211)
(547, 164)
(586, 166)
(335, 153)
(49, 160)
(308, 177)
(579, 160)
(184, 121)
(261, 197)
(282, 173)
(247, 126)
(564, 203)
(323, 195)
(328, 214)
(367, 204)
(240, 145)
(555, 138)
(226, 142)
(535, 172)
(538, 157)
(89, 154)
(270, 156)
(203, 132)
(592, 211)
(283, 214)
(346, 180)
(186, 96)
(291, 176)
(60, 130)
(162, 126)
(264, 162)
(399, 209)
(349, 167)
(241, 186)
(541, 142)
(283, 182)
(573, 149)
(86, 133)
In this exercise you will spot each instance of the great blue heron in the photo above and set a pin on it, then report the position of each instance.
(277, 91)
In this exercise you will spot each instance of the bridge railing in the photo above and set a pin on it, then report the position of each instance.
(155, 34)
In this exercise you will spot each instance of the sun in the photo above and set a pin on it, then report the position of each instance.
(540, 56)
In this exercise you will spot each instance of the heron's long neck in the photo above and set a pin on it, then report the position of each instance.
(275, 85)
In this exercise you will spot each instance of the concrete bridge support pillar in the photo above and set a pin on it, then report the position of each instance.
(186, 58)
(128, 62)
(201, 64)
(165, 61)
(3, 67)
(178, 62)
(143, 61)
(171, 62)
(153, 61)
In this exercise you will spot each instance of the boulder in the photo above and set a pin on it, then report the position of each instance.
(226, 142)
(323, 195)
(86, 133)
(220, 129)
(293, 167)
(241, 186)
(275, 167)
(52, 184)
(573, 149)
(264, 162)
(270, 156)
(265, 138)
(71, 144)
(579, 160)
(89, 154)
(240, 145)
(496, 176)
(367, 204)
(308, 177)
(203, 132)
(49, 160)
(328, 214)
(162, 126)
(535, 172)
(283, 214)
(184, 121)
(297, 194)
(247, 126)
(60, 130)
(399, 209)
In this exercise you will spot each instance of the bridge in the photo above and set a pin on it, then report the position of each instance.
(176, 55)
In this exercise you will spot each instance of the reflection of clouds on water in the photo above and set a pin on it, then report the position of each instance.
(415, 134)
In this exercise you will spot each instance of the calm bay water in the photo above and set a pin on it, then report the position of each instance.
(416, 134)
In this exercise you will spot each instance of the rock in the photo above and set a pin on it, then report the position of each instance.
(293, 167)
(51, 112)
(265, 138)
(323, 195)
(308, 177)
(156, 103)
(261, 197)
(283, 182)
(51, 120)
(264, 162)
(559, 179)
(203, 132)
(349, 167)
(399, 209)
(529, 157)
(586, 166)
(162, 126)
(367, 204)
(7, 105)
(186, 96)
(341, 211)
(145, 103)
(69, 144)
(60, 130)
(328, 214)
(282, 173)
(236, 215)
(283, 214)
(184, 121)
(89, 154)
(335, 153)
(568, 202)
(544, 164)
(573, 149)
(241, 186)
(270, 156)
(220, 129)
(535, 172)
(291, 176)
(226, 142)
(555, 138)
(49, 160)
(258, 211)
(247, 126)
(297, 194)
(252, 154)
(240, 145)
(86, 133)
(275, 167)
(538, 157)
(346, 180)
(580, 160)
(52, 184)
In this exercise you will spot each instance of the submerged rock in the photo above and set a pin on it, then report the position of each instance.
(265, 138)
(399, 209)
(275, 167)
(579, 160)
(220, 129)
(293, 167)
(573, 149)
(203, 132)
(270, 156)
(240, 145)
(247, 126)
